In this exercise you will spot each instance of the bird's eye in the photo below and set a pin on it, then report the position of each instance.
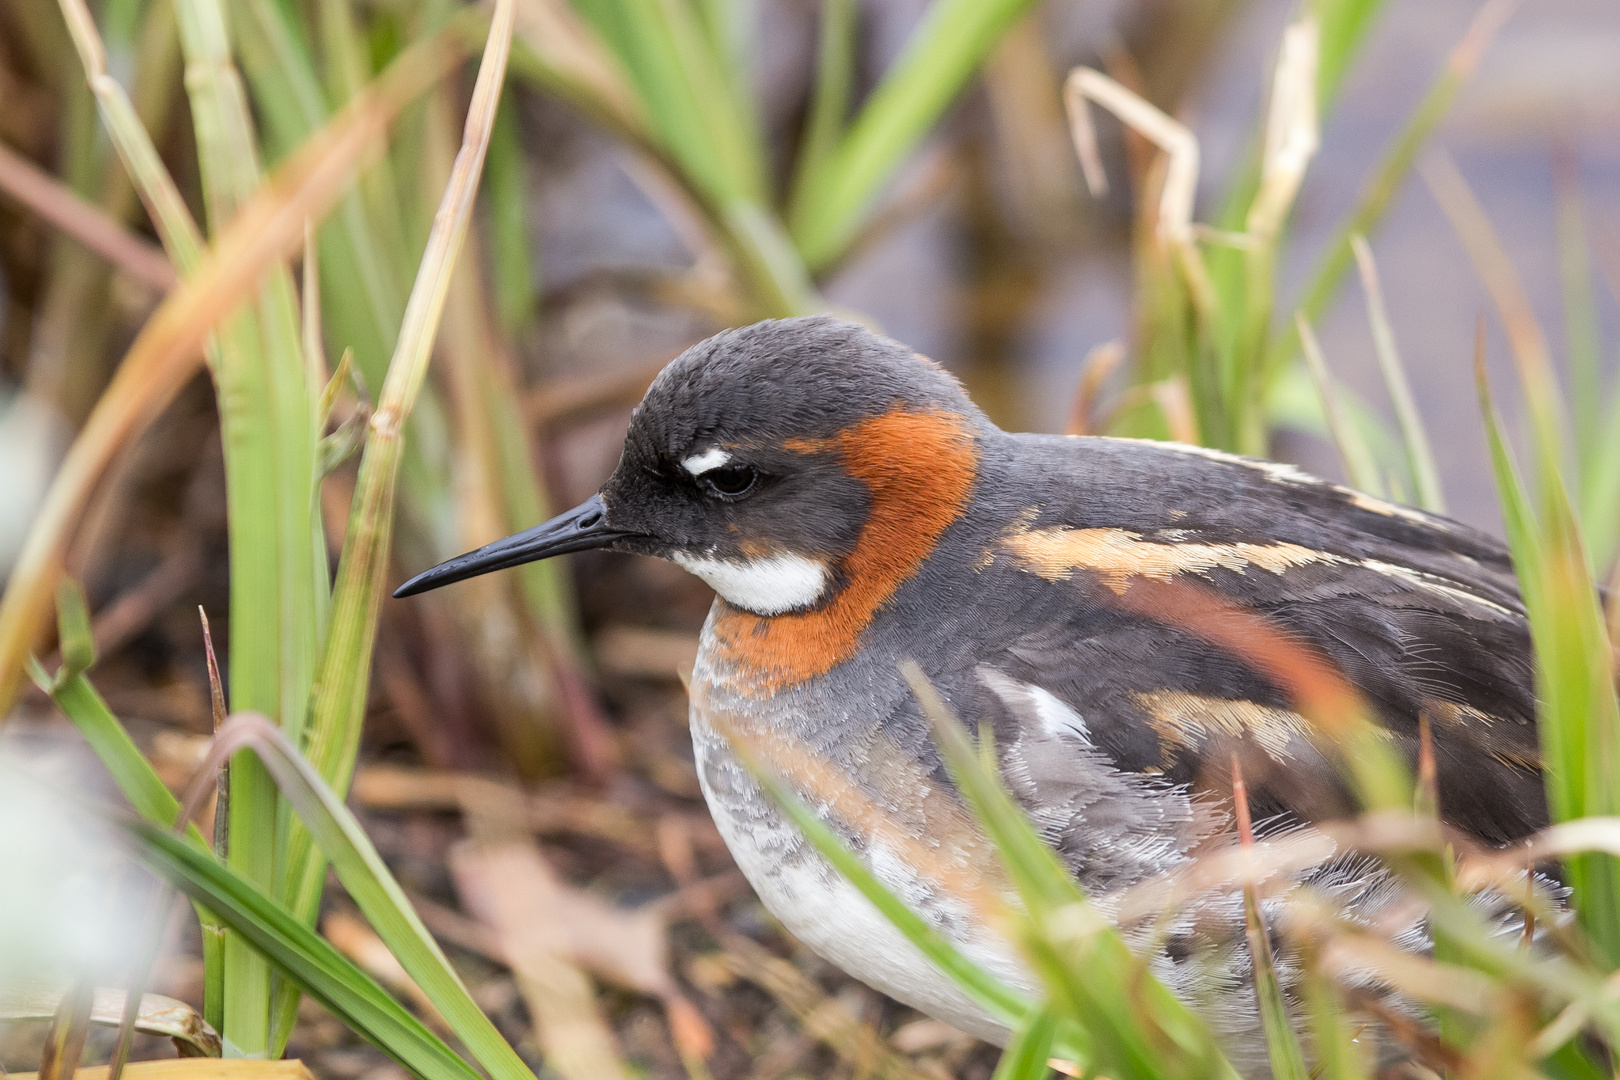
(730, 480)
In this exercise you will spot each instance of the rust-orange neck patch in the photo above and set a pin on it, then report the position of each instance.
(919, 468)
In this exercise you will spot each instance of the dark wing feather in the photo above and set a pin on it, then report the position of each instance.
(1420, 614)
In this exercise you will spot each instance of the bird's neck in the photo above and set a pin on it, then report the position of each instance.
(920, 469)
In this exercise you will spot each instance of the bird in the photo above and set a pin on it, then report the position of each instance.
(853, 511)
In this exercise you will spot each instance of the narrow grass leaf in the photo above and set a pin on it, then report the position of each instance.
(1007, 1005)
(950, 44)
(835, 74)
(1582, 335)
(1282, 1043)
(1360, 468)
(1597, 445)
(1027, 1055)
(343, 676)
(1419, 454)
(1138, 1028)
(1579, 715)
(265, 413)
(306, 958)
(367, 879)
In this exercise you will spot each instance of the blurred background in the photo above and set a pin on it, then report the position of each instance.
(591, 263)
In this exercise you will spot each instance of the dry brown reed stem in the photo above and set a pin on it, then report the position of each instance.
(1171, 136)
(168, 350)
(1291, 138)
(164, 204)
(70, 1027)
(1177, 184)
(84, 221)
(1100, 363)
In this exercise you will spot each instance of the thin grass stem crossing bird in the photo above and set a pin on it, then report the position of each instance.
(853, 510)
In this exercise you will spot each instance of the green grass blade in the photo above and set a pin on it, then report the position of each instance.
(267, 413)
(1335, 1052)
(721, 102)
(953, 40)
(363, 298)
(1138, 1028)
(1419, 454)
(1600, 485)
(1360, 467)
(1282, 1042)
(835, 76)
(343, 678)
(690, 109)
(1027, 1055)
(106, 737)
(1345, 25)
(1597, 446)
(1582, 335)
(367, 879)
(1579, 717)
(509, 243)
(305, 957)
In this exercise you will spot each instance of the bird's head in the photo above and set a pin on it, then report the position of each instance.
(786, 463)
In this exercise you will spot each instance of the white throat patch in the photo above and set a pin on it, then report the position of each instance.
(768, 586)
(710, 459)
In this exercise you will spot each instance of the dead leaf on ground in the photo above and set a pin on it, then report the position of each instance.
(549, 930)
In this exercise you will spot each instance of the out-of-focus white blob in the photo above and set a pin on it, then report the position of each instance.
(70, 905)
(33, 438)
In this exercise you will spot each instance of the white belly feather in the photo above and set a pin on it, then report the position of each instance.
(823, 910)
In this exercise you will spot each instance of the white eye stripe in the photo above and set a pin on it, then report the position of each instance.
(710, 459)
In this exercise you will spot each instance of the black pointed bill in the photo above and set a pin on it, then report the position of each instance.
(580, 529)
